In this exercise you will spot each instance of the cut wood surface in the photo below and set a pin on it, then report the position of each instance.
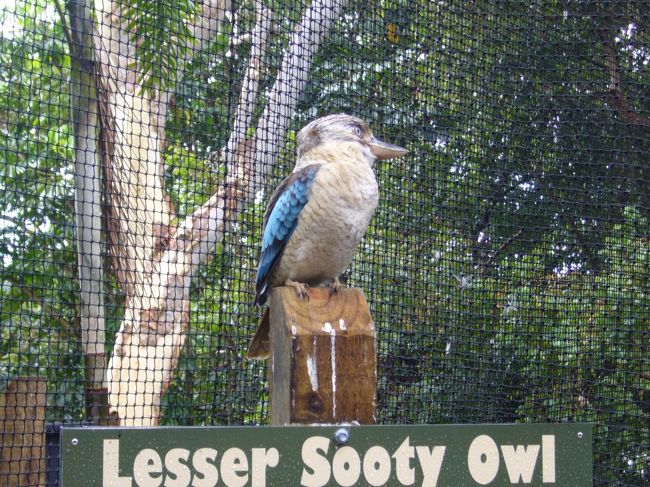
(323, 357)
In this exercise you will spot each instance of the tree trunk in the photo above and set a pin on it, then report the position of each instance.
(88, 209)
(153, 262)
(138, 212)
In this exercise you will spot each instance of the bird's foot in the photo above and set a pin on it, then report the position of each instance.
(301, 288)
(335, 286)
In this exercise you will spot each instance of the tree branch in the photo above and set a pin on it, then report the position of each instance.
(290, 83)
(138, 210)
(249, 88)
(64, 26)
(49, 310)
(500, 251)
(615, 95)
(592, 258)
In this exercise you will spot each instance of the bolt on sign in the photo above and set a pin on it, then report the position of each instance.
(318, 456)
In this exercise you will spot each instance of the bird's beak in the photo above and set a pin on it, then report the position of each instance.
(383, 150)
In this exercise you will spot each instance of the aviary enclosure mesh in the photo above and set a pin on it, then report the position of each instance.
(507, 267)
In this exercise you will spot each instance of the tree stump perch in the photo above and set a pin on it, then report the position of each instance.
(22, 432)
(323, 357)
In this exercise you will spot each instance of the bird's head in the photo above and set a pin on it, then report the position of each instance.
(331, 135)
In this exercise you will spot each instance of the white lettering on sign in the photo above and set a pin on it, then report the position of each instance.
(430, 463)
(346, 464)
(318, 464)
(483, 460)
(263, 458)
(233, 461)
(402, 456)
(182, 468)
(325, 463)
(520, 462)
(207, 473)
(376, 466)
(111, 471)
(180, 474)
(548, 459)
(147, 468)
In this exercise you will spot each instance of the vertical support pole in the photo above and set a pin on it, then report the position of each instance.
(88, 209)
(22, 432)
(323, 357)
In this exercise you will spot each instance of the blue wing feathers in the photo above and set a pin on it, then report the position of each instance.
(280, 221)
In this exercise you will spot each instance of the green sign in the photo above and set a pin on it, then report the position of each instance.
(313, 456)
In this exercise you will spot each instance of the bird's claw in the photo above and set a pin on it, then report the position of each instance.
(301, 288)
(335, 286)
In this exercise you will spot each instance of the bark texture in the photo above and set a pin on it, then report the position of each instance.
(88, 211)
(138, 214)
(154, 263)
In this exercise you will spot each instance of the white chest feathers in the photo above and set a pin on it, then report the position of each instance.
(342, 201)
(351, 194)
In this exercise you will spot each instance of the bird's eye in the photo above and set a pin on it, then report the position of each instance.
(357, 130)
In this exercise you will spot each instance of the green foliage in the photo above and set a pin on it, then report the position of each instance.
(161, 30)
(507, 267)
(38, 294)
(501, 264)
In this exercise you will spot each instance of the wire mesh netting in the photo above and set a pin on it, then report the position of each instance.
(506, 267)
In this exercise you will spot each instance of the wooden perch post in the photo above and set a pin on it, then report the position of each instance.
(22, 432)
(323, 357)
